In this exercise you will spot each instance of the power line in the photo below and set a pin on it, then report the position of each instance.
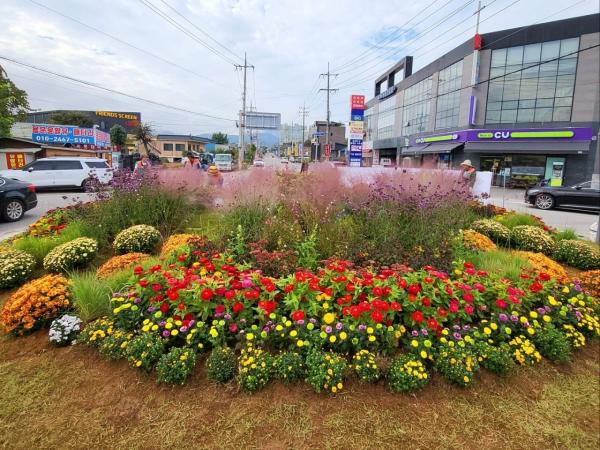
(185, 31)
(98, 86)
(328, 75)
(128, 44)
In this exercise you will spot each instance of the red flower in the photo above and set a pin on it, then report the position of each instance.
(143, 283)
(181, 306)
(544, 276)
(377, 291)
(428, 280)
(355, 311)
(453, 306)
(469, 309)
(206, 294)
(252, 294)
(414, 289)
(220, 309)
(433, 324)
(417, 316)
(172, 294)
(220, 290)
(138, 270)
(468, 297)
(164, 308)
(449, 290)
(501, 303)
(233, 327)
(238, 307)
(536, 286)
(396, 306)
(377, 316)
(350, 287)
(442, 312)
(468, 265)
(229, 294)
(426, 301)
(402, 283)
(298, 315)
(156, 287)
(267, 306)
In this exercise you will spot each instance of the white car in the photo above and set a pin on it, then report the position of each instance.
(259, 163)
(61, 172)
(224, 162)
(283, 160)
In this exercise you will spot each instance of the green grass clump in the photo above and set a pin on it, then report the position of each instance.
(501, 262)
(568, 234)
(515, 219)
(39, 247)
(91, 296)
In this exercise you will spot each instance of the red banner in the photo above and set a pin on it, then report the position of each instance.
(357, 102)
(15, 160)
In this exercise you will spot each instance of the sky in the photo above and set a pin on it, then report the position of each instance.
(186, 68)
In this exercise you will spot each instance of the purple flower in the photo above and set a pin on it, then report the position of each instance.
(300, 322)
(456, 327)
(166, 333)
(183, 329)
(242, 320)
(162, 323)
(327, 329)
(466, 328)
(541, 311)
(414, 333)
(137, 300)
(362, 327)
(339, 326)
(514, 318)
(227, 317)
(151, 309)
(312, 320)
(503, 317)
(424, 332)
(247, 282)
(547, 308)
(457, 335)
(192, 322)
(578, 315)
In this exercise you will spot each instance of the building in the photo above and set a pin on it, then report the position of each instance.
(522, 103)
(337, 139)
(104, 120)
(174, 147)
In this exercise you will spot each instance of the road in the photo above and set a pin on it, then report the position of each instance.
(46, 202)
(514, 199)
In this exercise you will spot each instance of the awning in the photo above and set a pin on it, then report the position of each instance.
(529, 147)
(431, 148)
(20, 150)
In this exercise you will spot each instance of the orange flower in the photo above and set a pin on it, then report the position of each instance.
(117, 263)
(477, 241)
(541, 263)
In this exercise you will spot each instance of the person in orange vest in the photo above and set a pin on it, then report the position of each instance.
(214, 176)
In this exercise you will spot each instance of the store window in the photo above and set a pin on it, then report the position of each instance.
(416, 109)
(386, 118)
(168, 147)
(369, 122)
(532, 83)
(180, 147)
(450, 78)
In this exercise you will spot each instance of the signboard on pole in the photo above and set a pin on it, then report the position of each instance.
(67, 134)
(357, 102)
(357, 127)
(327, 150)
(263, 120)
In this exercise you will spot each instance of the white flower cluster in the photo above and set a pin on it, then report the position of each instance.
(15, 267)
(75, 253)
(64, 330)
(138, 238)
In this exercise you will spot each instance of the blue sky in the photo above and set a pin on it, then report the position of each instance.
(288, 41)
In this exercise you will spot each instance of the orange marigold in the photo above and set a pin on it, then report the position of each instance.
(541, 263)
(477, 241)
(37, 302)
(590, 282)
(174, 242)
(117, 263)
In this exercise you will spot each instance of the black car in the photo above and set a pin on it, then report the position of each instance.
(585, 196)
(16, 197)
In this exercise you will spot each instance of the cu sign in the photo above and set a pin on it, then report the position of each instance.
(505, 134)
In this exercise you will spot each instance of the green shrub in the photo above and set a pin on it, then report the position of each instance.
(114, 346)
(289, 367)
(325, 371)
(138, 238)
(552, 344)
(532, 239)
(40, 246)
(457, 364)
(365, 367)
(221, 365)
(144, 351)
(74, 254)
(579, 254)
(91, 295)
(15, 267)
(514, 219)
(407, 374)
(567, 234)
(175, 366)
(497, 232)
(497, 360)
(255, 369)
(306, 251)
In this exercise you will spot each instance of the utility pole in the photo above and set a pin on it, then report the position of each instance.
(328, 90)
(245, 67)
(303, 113)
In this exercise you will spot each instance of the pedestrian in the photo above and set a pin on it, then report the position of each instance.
(141, 166)
(468, 173)
(214, 176)
(191, 161)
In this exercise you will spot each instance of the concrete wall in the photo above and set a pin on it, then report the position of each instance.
(465, 93)
(586, 102)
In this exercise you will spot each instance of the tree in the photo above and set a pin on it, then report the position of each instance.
(144, 134)
(250, 152)
(13, 104)
(220, 138)
(71, 118)
(118, 136)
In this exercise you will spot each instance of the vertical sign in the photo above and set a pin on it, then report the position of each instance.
(355, 142)
(327, 150)
(15, 160)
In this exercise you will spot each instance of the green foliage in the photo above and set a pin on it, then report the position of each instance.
(457, 364)
(175, 366)
(221, 365)
(289, 367)
(15, 267)
(365, 367)
(91, 296)
(118, 135)
(251, 216)
(552, 344)
(138, 238)
(114, 346)
(497, 360)
(144, 350)
(75, 118)
(144, 133)
(500, 262)
(255, 369)
(13, 104)
(220, 138)
(39, 247)
(74, 254)
(407, 374)
(533, 239)
(306, 251)
(514, 219)
(580, 254)
(497, 232)
(567, 234)
(237, 244)
(325, 371)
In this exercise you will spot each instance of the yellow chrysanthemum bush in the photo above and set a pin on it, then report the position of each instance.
(138, 238)
(580, 254)
(35, 304)
(73, 254)
(120, 262)
(542, 264)
(533, 239)
(477, 241)
(15, 267)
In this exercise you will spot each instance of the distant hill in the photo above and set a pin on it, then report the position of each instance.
(267, 139)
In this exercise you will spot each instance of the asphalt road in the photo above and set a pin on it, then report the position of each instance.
(46, 202)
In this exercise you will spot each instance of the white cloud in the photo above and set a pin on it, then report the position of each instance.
(288, 41)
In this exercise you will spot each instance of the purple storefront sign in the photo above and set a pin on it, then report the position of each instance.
(508, 135)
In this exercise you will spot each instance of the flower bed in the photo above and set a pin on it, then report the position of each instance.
(477, 241)
(138, 238)
(76, 253)
(15, 267)
(542, 263)
(429, 316)
(590, 281)
(120, 262)
(580, 254)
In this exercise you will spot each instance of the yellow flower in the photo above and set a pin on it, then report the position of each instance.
(487, 330)
(343, 335)
(329, 318)
(423, 354)
(332, 339)
(249, 336)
